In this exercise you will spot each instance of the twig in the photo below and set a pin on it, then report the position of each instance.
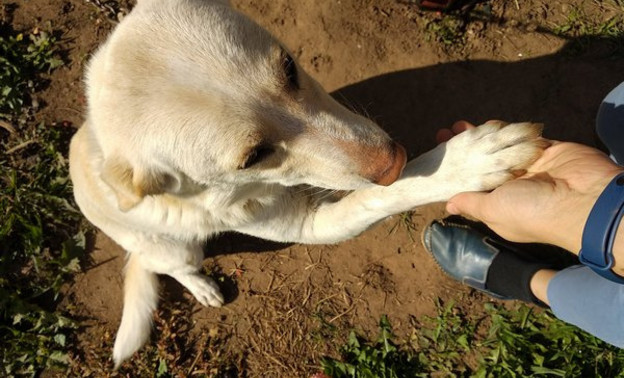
(190, 371)
(20, 146)
(326, 299)
(71, 109)
(341, 314)
(269, 286)
(8, 127)
(307, 297)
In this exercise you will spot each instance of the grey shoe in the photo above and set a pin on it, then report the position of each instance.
(462, 251)
(466, 251)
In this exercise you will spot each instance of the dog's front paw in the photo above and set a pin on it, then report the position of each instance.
(485, 157)
(204, 289)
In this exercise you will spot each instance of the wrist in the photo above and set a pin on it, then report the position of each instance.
(599, 248)
(579, 204)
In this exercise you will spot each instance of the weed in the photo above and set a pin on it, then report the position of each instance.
(40, 239)
(114, 10)
(518, 343)
(445, 339)
(40, 245)
(524, 343)
(380, 359)
(406, 221)
(583, 29)
(325, 330)
(448, 30)
(22, 59)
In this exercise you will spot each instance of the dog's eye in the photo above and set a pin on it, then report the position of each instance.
(290, 71)
(256, 156)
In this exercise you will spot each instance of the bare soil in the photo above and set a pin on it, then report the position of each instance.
(288, 305)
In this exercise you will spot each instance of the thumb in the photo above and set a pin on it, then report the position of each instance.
(468, 203)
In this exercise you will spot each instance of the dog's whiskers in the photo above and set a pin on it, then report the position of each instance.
(329, 193)
(306, 188)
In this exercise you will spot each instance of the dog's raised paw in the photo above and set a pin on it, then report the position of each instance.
(485, 157)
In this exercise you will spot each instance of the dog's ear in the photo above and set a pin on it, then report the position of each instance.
(132, 184)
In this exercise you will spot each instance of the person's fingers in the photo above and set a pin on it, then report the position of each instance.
(468, 203)
(444, 135)
(496, 121)
(461, 126)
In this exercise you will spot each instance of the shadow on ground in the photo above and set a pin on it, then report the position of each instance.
(562, 90)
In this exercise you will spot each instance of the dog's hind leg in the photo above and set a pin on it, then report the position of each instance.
(151, 256)
(183, 262)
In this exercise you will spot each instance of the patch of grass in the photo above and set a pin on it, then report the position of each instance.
(584, 29)
(23, 57)
(383, 358)
(525, 343)
(114, 10)
(443, 341)
(40, 243)
(40, 238)
(517, 343)
(406, 221)
(325, 331)
(448, 30)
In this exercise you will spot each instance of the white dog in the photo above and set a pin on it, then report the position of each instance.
(200, 122)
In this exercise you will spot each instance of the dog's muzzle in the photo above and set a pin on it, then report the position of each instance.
(395, 162)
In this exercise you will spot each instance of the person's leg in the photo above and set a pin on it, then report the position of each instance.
(575, 294)
(475, 256)
(539, 284)
(610, 123)
(581, 297)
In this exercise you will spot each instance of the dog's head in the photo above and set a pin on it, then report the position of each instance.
(190, 91)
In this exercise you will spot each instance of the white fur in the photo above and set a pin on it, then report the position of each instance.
(180, 95)
(141, 289)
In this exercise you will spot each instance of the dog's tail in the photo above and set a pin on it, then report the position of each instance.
(140, 299)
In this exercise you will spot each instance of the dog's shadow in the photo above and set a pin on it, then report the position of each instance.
(562, 90)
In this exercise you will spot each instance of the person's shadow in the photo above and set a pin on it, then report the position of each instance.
(562, 90)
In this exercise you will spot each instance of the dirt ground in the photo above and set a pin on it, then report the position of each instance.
(380, 57)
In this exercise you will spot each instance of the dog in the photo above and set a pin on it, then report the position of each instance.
(199, 122)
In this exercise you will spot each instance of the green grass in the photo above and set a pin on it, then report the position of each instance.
(23, 57)
(448, 30)
(507, 343)
(40, 238)
(583, 29)
(406, 222)
(443, 341)
(383, 358)
(523, 343)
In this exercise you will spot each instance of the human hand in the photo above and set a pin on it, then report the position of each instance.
(548, 204)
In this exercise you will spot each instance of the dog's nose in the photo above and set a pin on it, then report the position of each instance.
(398, 158)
